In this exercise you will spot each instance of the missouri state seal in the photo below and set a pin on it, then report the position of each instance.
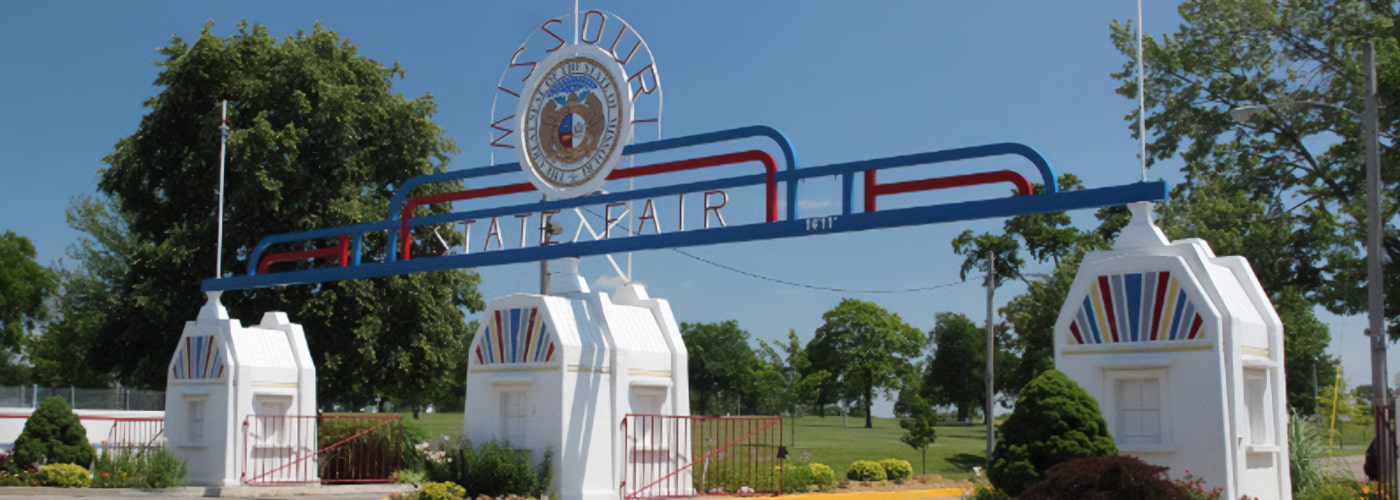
(575, 118)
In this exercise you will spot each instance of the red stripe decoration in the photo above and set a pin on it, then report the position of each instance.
(550, 356)
(1159, 300)
(1074, 329)
(1195, 326)
(529, 334)
(1106, 292)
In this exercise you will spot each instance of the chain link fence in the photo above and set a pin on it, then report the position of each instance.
(111, 398)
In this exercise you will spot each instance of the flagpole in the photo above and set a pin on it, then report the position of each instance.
(223, 148)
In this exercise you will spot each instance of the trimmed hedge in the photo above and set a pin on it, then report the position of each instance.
(866, 470)
(896, 469)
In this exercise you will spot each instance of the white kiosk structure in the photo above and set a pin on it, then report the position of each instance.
(560, 371)
(1184, 352)
(221, 375)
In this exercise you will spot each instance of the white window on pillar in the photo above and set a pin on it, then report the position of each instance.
(514, 415)
(272, 415)
(194, 408)
(1139, 418)
(1257, 408)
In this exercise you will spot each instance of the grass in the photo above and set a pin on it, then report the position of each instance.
(958, 448)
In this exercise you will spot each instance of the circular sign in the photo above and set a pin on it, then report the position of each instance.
(575, 117)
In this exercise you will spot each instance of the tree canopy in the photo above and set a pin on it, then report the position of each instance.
(720, 362)
(317, 139)
(1289, 180)
(865, 348)
(24, 284)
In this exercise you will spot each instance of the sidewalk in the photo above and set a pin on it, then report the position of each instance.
(933, 493)
(309, 492)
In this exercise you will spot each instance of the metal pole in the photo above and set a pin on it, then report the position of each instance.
(223, 148)
(1375, 293)
(991, 354)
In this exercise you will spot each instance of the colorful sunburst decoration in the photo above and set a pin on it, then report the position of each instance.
(198, 358)
(1138, 307)
(515, 336)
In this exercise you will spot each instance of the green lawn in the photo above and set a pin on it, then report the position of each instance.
(826, 440)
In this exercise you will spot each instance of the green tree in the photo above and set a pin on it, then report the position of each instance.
(1289, 180)
(318, 139)
(24, 285)
(89, 305)
(53, 434)
(1054, 421)
(956, 373)
(865, 348)
(919, 431)
(720, 361)
(1032, 317)
(786, 377)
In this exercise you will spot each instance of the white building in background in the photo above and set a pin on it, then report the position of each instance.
(223, 375)
(1184, 352)
(559, 372)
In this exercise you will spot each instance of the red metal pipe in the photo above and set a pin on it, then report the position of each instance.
(874, 189)
(340, 251)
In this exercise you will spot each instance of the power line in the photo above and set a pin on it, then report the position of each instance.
(810, 286)
(780, 281)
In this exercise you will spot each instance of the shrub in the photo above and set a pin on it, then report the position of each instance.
(53, 435)
(822, 476)
(1104, 477)
(438, 491)
(1305, 450)
(499, 470)
(1054, 421)
(796, 477)
(163, 470)
(18, 478)
(412, 433)
(866, 470)
(1329, 488)
(64, 476)
(896, 469)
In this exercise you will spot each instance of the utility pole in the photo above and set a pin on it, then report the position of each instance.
(1375, 293)
(991, 354)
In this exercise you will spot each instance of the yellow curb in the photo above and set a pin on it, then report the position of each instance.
(885, 495)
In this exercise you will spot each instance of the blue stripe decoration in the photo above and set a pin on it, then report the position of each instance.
(516, 335)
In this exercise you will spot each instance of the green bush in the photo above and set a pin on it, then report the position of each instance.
(896, 469)
(492, 469)
(866, 470)
(1331, 488)
(1054, 421)
(822, 476)
(412, 433)
(53, 435)
(64, 476)
(438, 491)
(1305, 451)
(796, 477)
(163, 470)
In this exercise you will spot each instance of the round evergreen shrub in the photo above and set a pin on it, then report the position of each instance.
(822, 475)
(64, 476)
(1055, 421)
(866, 470)
(53, 435)
(896, 469)
(1105, 477)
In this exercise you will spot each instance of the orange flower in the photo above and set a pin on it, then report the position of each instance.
(104, 474)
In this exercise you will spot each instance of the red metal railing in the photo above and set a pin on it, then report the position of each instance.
(292, 449)
(874, 190)
(135, 434)
(671, 456)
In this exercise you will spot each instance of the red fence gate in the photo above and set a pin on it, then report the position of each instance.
(136, 434)
(288, 449)
(676, 456)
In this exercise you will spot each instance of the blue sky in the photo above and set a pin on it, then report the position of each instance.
(843, 81)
